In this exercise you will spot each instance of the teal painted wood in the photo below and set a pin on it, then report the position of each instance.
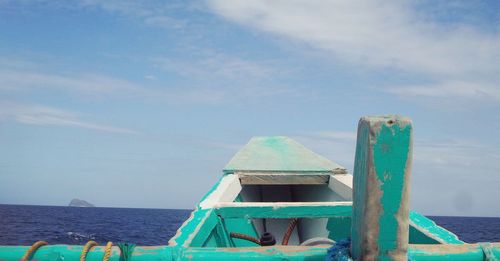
(64, 252)
(279, 154)
(285, 212)
(458, 252)
(431, 230)
(202, 231)
(67, 252)
(469, 252)
(190, 228)
(339, 228)
(221, 230)
(381, 187)
(212, 240)
(252, 253)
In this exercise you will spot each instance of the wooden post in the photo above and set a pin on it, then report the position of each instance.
(381, 188)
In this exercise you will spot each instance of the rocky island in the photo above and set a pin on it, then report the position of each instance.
(80, 203)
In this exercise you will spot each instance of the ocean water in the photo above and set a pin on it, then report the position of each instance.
(471, 229)
(23, 225)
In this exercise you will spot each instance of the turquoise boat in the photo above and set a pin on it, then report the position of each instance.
(277, 200)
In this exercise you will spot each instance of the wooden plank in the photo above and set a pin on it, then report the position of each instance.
(284, 210)
(282, 179)
(199, 236)
(432, 230)
(270, 253)
(381, 187)
(472, 252)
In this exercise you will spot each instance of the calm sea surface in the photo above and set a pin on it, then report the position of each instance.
(23, 225)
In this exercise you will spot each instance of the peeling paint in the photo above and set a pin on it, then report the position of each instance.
(381, 178)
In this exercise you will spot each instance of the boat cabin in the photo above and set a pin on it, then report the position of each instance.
(276, 186)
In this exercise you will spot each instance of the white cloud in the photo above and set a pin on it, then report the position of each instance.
(380, 35)
(43, 115)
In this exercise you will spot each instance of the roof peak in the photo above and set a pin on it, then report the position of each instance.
(279, 154)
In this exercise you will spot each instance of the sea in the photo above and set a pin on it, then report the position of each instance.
(23, 225)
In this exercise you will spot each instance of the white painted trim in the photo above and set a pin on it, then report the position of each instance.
(228, 189)
(342, 185)
(283, 204)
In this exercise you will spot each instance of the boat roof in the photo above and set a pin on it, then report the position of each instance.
(279, 154)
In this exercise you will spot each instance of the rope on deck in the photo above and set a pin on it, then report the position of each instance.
(340, 251)
(126, 250)
(32, 249)
(107, 251)
(87, 248)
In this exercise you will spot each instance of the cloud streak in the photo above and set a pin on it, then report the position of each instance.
(88, 84)
(210, 79)
(49, 116)
(454, 89)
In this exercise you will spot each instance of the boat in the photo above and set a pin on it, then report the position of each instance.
(277, 200)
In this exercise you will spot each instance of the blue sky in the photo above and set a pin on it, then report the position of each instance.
(130, 104)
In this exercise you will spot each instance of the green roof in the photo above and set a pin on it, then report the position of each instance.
(279, 154)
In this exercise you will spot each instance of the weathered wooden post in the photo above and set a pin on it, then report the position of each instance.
(381, 188)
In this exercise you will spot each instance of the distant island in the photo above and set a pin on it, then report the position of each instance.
(80, 203)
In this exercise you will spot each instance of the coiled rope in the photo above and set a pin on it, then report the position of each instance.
(87, 248)
(107, 251)
(32, 249)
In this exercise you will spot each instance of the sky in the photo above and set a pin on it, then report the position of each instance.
(141, 104)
